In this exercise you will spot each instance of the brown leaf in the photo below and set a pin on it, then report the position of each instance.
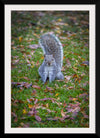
(32, 112)
(75, 69)
(26, 78)
(36, 86)
(67, 78)
(27, 85)
(63, 113)
(16, 119)
(73, 99)
(34, 92)
(30, 100)
(34, 46)
(26, 125)
(44, 99)
(83, 95)
(17, 84)
(37, 63)
(68, 63)
(20, 39)
(16, 61)
(13, 66)
(37, 118)
(13, 114)
(86, 63)
(75, 76)
(58, 118)
(36, 100)
(70, 87)
(49, 89)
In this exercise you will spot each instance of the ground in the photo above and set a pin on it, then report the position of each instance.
(60, 103)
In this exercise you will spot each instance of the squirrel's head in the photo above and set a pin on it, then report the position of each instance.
(49, 60)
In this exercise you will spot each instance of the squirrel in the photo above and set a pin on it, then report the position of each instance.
(53, 58)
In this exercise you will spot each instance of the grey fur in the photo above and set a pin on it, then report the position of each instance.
(53, 61)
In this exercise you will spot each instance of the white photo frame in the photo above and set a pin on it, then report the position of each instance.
(92, 122)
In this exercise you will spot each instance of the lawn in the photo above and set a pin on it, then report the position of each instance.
(60, 103)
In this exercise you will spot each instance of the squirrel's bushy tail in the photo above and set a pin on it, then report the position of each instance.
(51, 45)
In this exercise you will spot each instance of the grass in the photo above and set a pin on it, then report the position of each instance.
(72, 30)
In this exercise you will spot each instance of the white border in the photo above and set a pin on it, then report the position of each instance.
(8, 9)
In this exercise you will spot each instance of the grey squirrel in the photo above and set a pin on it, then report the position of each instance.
(53, 58)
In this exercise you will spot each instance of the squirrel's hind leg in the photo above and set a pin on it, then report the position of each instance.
(60, 76)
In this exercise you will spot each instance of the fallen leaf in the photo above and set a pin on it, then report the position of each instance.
(17, 84)
(13, 114)
(36, 100)
(67, 77)
(28, 61)
(37, 63)
(49, 89)
(20, 39)
(86, 116)
(68, 63)
(36, 86)
(32, 112)
(42, 57)
(63, 113)
(75, 69)
(30, 100)
(26, 78)
(34, 46)
(76, 109)
(86, 62)
(27, 85)
(56, 94)
(47, 105)
(83, 95)
(24, 111)
(34, 92)
(73, 99)
(16, 119)
(59, 20)
(26, 125)
(16, 61)
(30, 106)
(71, 87)
(56, 85)
(58, 118)
(37, 118)
(64, 104)
(44, 99)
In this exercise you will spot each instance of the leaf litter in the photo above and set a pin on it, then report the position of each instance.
(68, 110)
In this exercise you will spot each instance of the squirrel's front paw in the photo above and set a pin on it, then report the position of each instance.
(51, 78)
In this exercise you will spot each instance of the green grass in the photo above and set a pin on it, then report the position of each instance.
(25, 30)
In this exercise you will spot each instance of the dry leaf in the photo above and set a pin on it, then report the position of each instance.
(63, 113)
(37, 118)
(56, 94)
(34, 46)
(36, 86)
(20, 39)
(24, 111)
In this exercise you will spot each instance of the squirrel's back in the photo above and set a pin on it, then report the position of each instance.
(51, 45)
